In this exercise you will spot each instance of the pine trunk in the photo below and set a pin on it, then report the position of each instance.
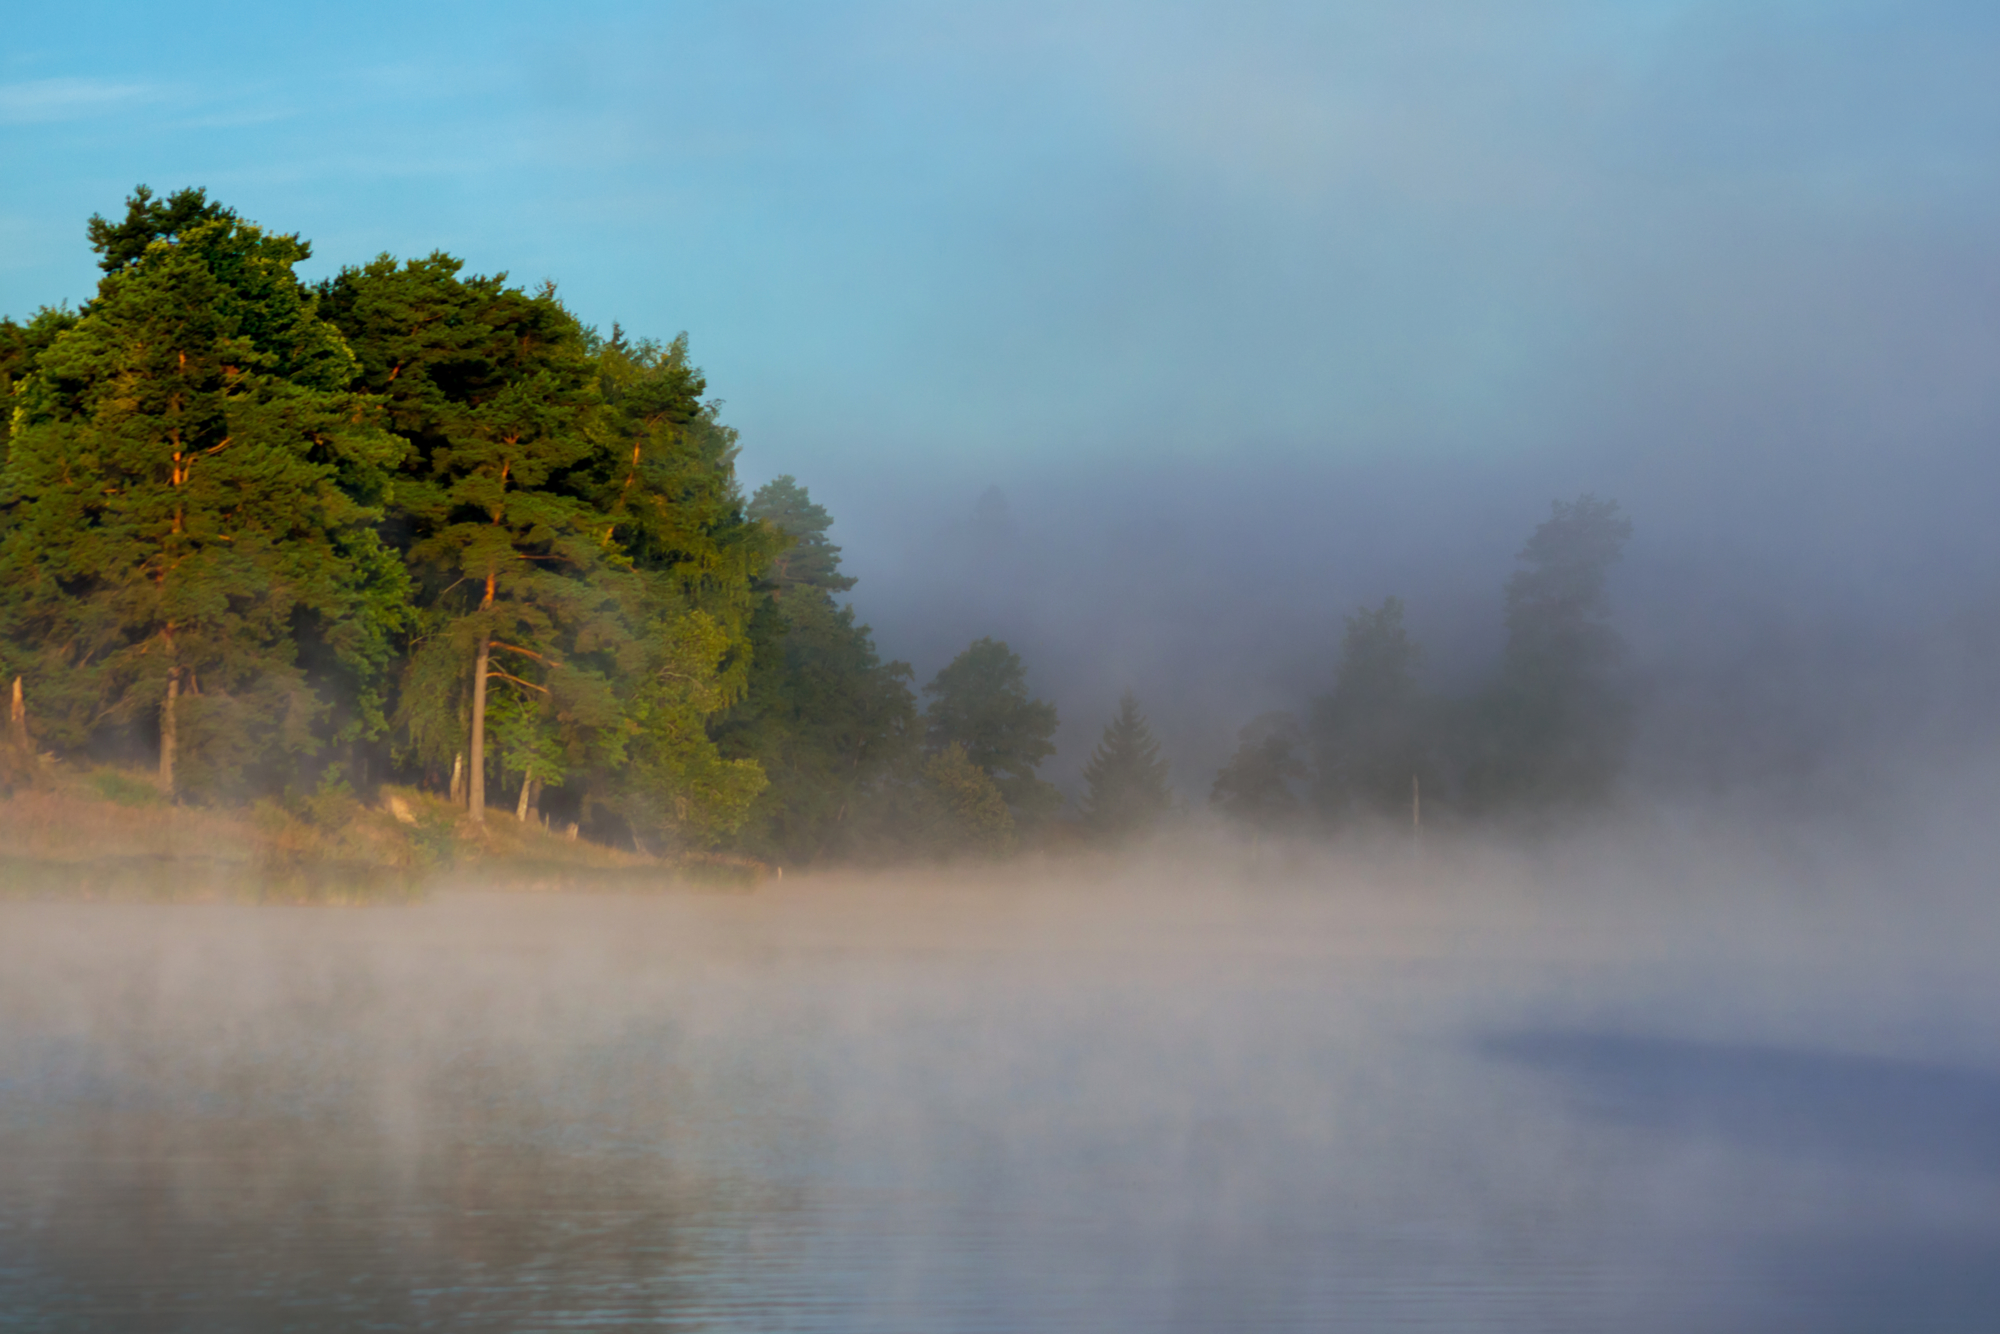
(17, 719)
(475, 778)
(169, 732)
(527, 790)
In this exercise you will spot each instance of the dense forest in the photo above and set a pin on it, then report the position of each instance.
(277, 540)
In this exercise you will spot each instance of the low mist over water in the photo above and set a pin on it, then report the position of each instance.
(897, 669)
(1679, 1075)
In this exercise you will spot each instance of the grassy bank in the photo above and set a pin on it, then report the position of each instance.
(108, 833)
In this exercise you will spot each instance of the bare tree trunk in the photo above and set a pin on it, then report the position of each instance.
(169, 732)
(17, 718)
(475, 778)
(458, 779)
(527, 787)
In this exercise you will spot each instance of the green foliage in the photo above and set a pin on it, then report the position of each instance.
(569, 504)
(808, 559)
(826, 719)
(680, 786)
(184, 484)
(123, 789)
(295, 533)
(1553, 728)
(21, 346)
(1255, 787)
(273, 525)
(665, 475)
(1126, 778)
(1369, 734)
(147, 220)
(979, 701)
(962, 808)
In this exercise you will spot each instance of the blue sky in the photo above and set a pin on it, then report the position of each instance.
(1385, 275)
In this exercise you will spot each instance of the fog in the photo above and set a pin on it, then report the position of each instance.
(1154, 341)
(1677, 1073)
(1775, 648)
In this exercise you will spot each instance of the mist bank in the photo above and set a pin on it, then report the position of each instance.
(1793, 621)
(1655, 1075)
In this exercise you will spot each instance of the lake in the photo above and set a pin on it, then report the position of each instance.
(1494, 1091)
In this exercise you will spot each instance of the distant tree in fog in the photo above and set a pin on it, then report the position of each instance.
(1255, 787)
(960, 808)
(1554, 727)
(1127, 790)
(1368, 735)
(980, 701)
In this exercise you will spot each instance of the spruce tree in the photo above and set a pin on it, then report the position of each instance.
(1126, 779)
(1556, 722)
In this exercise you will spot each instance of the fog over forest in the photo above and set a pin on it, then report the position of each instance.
(1046, 666)
(1252, 319)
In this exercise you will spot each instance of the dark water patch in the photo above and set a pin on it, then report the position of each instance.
(1848, 1108)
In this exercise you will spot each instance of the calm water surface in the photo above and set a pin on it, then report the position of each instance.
(860, 1109)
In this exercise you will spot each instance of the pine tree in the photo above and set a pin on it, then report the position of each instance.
(492, 387)
(825, 718)
(810, 559)
(569, 508)
(1125, 777)
(664, 479)
(188, 481)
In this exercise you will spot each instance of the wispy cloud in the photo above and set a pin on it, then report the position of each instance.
(40, 101)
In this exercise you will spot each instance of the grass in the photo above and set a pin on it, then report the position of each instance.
(110, 833)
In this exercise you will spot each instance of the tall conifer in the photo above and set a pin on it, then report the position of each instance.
(1125, 777)
(190, 476)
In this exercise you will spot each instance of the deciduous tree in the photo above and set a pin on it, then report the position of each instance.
(980, 701)
(1255, 787)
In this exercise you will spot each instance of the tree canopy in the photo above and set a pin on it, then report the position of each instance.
(1255, 787)
(980, 701)
(421, 524)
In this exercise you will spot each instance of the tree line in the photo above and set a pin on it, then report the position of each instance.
(1548, 731)
(418, 525)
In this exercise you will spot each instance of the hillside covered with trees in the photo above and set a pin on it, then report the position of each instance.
(414, 525)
